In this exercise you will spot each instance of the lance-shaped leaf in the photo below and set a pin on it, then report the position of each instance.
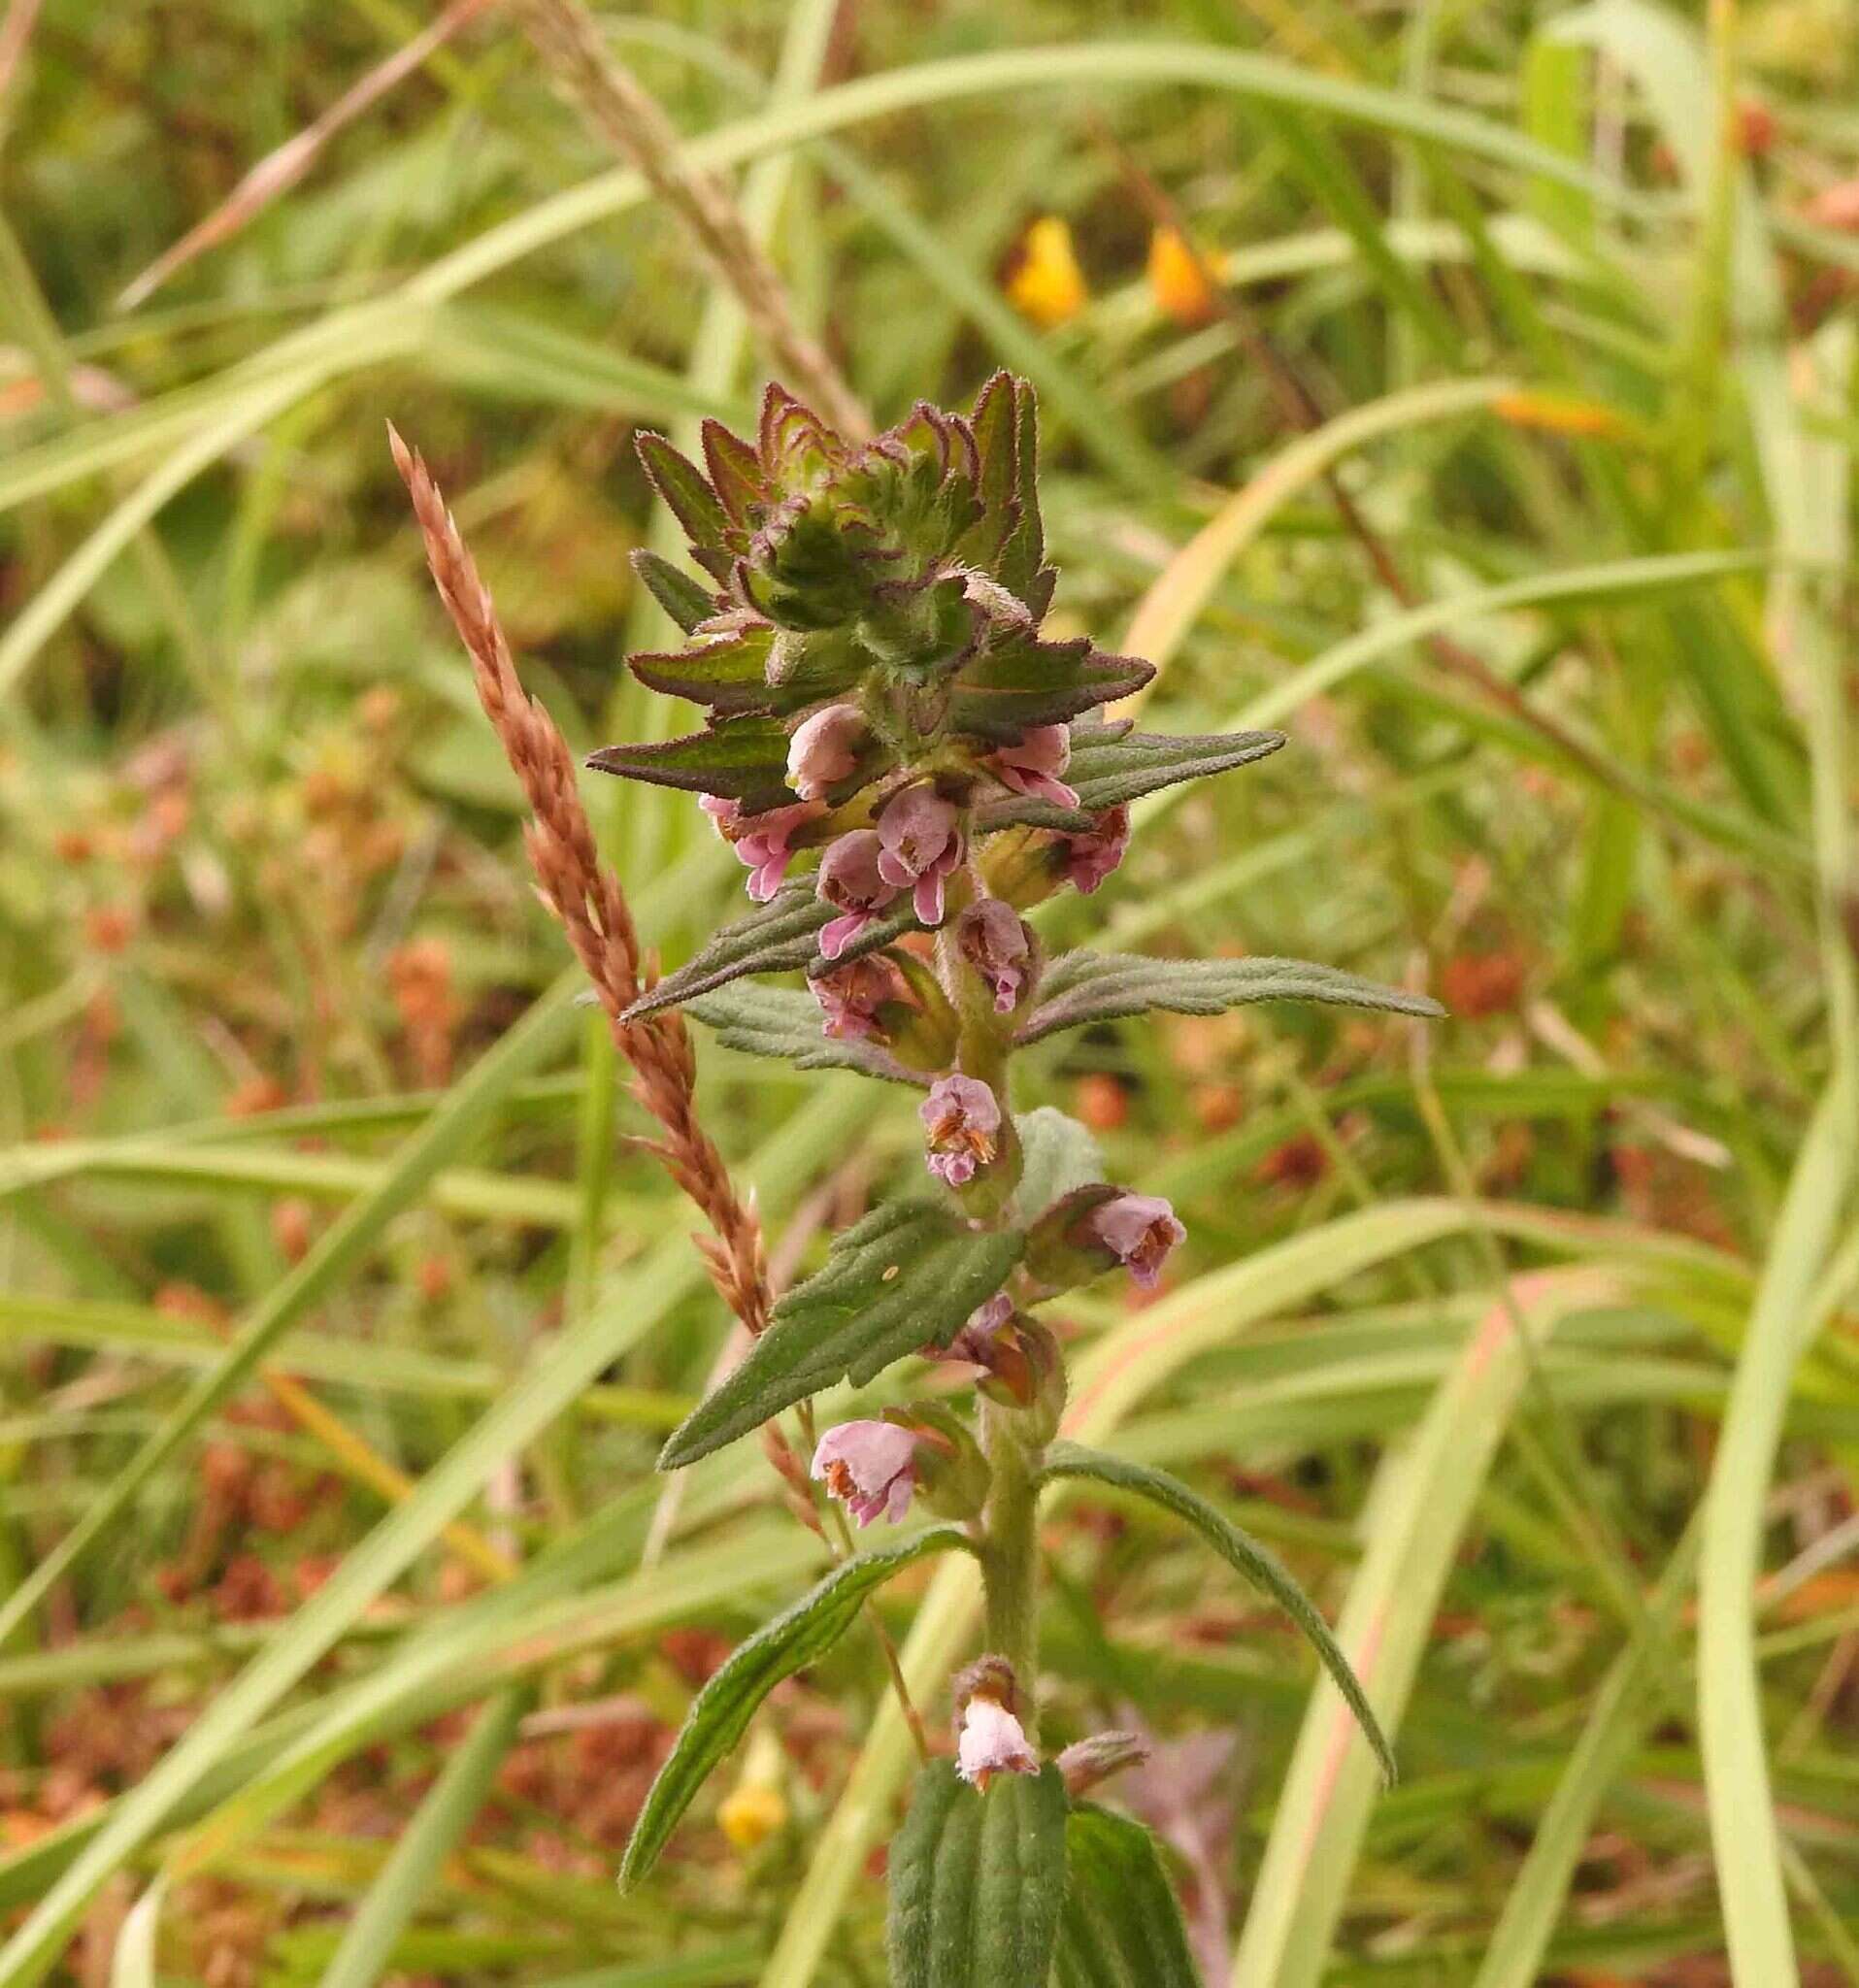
(1020, 681)
(720, 1712)
(908, 1275)
(679, 595)
(1079, 987)
(1121, 1927)
(741, 758)
(779, 937)
(777, 1021)
(1109, 767)
(728, 671)
(977, 1881)
(1256, 1563)
(686, 491)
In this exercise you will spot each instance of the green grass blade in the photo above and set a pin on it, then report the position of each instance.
(435, 1832)
(467, 1109)
(1421, 1502)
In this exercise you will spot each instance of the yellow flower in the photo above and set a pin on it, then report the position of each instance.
(1047, 285)
(1178, 280)
(750, 1815)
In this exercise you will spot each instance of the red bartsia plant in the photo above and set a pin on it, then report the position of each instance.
(906, 765)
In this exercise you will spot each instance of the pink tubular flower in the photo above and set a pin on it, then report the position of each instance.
(1139, 1230)
(922, 843)
(763, 841)
(870, 1468)
(851, 994)
(962, 1118)
(992, 938)
(976, 1340)
(824, 750)
(1090, 858)
(1033, 766)
(852, 882)
(993, 1742)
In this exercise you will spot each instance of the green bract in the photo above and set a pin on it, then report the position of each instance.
(906, 575)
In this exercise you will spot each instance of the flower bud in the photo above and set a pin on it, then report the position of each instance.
(1033, 766)
(1087, 1762)
(849, 880)
(826, 749)
(995, 942)
(921, 837)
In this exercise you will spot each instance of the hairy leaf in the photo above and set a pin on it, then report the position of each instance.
(1079, 987)
(729, 672)
(1257, 1563)
(778, 1021)
(1020, 681)
(977, 1881)
(1109, 766)
(741, 758)
(681, 597)
(908, 1275)
(779, 937)
(1060, 1155)
(1121, 1926)
(720, 1713)
(686, 491)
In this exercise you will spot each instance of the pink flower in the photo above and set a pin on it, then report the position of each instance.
(764, 841)
(1033, 766)
(852, 882)
(962, 1118)
(1090, 858)
(992, 1742)
(851, 994)
(992, 938)
(824, 750)
(922, 843)
(1139, 1230)
(974, 1342)
(870, 1468)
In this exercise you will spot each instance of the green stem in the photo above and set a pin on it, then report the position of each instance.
(1009, 1552)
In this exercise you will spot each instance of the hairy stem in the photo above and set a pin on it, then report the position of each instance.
(1009, 1551)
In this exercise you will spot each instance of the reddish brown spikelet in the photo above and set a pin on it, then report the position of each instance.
(586, 897)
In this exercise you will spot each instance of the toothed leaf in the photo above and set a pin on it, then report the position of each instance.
(681, 597)
(1022, 682)
(687, 493)
(742, 758)
(908, 1275)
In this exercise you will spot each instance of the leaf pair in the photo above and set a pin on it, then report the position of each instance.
(991, 1890)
